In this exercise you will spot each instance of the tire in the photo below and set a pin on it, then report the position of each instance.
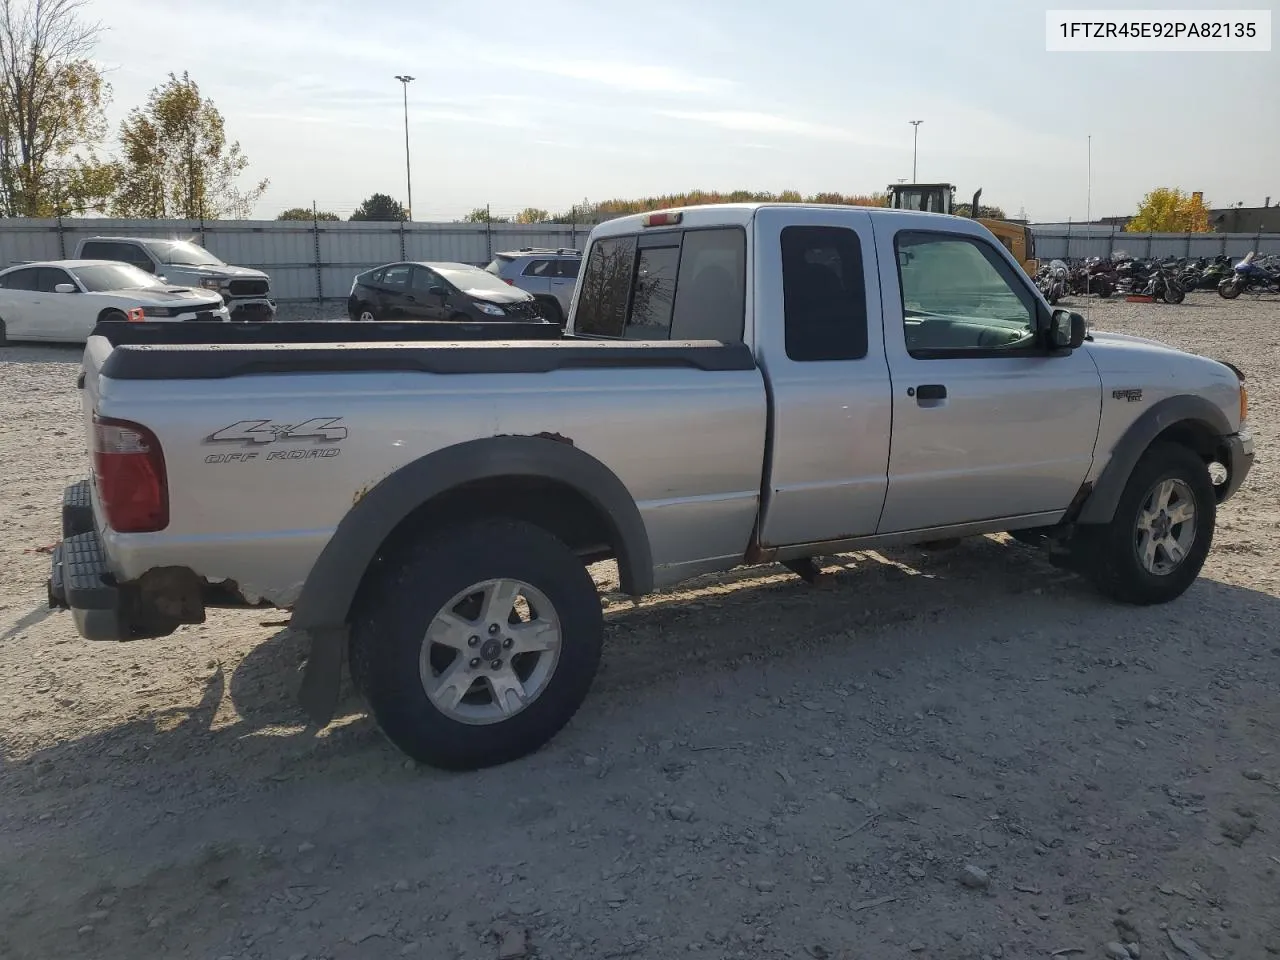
(1109, 555)
(551, 310)
(1104, 289)
(4, 335)
(1229, 289)
(112, 316)
(1173, 293)
(393, 660)
(365, 314)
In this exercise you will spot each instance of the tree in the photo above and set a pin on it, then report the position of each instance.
(992, 213)
(380, 206)
(305, 213)
(176, 159)
(52, 98)
(1170, 210)
(532, 215)
(482, 215)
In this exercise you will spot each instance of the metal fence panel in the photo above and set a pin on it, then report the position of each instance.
(310, 261)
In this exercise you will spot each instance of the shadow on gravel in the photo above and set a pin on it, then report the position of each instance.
(169, 808)
(748, 615)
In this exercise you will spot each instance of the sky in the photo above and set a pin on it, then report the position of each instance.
(547, 103)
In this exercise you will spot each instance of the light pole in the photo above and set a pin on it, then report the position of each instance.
(405, 80)
(915, 140)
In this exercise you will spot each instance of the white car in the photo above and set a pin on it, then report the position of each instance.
(65, 299)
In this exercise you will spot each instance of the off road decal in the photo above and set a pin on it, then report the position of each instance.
(324, 433)
(1132, 395)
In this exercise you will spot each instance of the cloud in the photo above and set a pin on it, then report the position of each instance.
(639, 78)
(748, 121)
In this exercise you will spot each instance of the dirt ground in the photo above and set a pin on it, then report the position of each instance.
(962, 754)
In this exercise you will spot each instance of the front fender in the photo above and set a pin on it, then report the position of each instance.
(1100, 506)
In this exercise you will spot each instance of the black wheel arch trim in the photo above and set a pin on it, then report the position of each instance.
(323, 607)
(1101, 504)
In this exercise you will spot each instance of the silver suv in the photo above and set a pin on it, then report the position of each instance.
(549, 274)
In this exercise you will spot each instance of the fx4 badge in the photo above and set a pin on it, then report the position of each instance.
(323, 432)
(255, 432)
(1132, 395)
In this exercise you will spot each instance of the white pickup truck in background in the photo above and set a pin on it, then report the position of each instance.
(737, 384)
(245, 291)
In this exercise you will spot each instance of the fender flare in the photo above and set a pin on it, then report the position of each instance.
(323, 605)
(1101, 504)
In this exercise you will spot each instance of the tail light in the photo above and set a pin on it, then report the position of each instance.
(128, 470)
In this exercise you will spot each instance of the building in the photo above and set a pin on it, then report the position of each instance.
(1242, 219)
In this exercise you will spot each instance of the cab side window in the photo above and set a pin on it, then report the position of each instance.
(824, 294)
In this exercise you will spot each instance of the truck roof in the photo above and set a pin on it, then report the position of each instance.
(740, 214)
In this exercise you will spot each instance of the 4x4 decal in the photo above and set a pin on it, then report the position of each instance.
(257, 432)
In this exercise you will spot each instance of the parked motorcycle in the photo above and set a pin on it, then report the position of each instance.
(1053, 281)
(1163, 285)
(1250, 276)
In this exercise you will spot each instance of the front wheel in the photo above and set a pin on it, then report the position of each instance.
(1104, 289)
(1173, 292)
(477, 645)
(365, 314)
(1154, 546)
(1229, 289)
(4, 335)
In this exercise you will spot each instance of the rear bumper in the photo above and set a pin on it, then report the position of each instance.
(1239, 449)
(80, 580)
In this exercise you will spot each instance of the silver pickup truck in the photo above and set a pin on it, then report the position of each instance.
(736, 384)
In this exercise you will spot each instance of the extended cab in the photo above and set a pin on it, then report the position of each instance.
(738, 384)
(245, 291)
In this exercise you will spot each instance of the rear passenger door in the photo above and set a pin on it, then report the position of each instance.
(535, 278)
(820, 341)
(18, 294)
(563, 280)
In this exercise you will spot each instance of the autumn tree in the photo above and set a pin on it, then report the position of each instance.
(483, 215)
(1170, 210)
(306, 213)
(532, 215)
(52, 98)
(176, 161)
(380, 206)
(992, 213)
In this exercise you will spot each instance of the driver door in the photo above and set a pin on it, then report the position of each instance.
(986, 423)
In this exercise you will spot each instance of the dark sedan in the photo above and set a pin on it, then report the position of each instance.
(438, 291)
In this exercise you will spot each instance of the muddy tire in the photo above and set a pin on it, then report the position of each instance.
(476, 646)
(1154, 546)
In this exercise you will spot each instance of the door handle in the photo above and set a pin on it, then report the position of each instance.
(930, 391)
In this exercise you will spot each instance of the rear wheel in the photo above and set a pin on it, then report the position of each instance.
(4, 335)
(1173, 292)
(478, 645)
(1154, 546)
(1104, 289)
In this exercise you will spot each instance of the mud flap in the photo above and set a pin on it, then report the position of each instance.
(322, 678)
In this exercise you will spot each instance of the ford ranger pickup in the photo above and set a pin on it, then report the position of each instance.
(736, 384)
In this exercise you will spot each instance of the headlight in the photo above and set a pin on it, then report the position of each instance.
(492, 309)
(211, 283)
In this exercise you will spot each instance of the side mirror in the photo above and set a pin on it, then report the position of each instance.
(65, 288)
(1066, 330)
(438, 291)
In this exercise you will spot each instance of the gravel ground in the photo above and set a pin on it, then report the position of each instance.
(961, 754)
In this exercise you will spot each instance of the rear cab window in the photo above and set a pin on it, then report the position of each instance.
(666, 285)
